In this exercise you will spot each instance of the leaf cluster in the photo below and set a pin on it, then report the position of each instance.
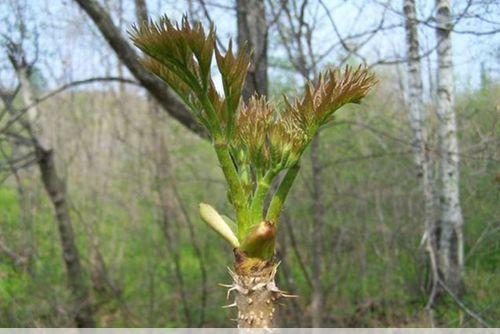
(255, 141)
(181, 55)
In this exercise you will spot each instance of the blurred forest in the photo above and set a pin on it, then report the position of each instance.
(102, 169)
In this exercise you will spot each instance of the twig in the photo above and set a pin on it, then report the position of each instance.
(462, 305)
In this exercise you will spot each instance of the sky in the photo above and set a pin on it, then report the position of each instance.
(71, 48)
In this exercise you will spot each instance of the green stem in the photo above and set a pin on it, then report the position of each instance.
(263, 185)
(228, 168)
(234, 184)
(274, 211)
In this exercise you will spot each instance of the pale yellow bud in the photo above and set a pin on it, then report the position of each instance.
(217, 223)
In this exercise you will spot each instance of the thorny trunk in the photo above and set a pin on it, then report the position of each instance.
(451, 258)
(56, 189)
(317, 293)
(252, 29)
(256, 293)
(418, 122)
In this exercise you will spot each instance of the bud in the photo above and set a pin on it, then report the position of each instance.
(260, 240)
(217, 223)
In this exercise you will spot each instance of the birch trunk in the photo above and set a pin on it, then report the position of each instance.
(55, 187)
(451, 220)
(418, 120)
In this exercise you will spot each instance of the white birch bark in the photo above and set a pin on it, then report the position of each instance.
(416, 111)
(451, 220)
(418, 121)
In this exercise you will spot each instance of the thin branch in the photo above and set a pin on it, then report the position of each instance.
(463, 306)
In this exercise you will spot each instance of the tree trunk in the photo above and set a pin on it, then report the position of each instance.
(252, 29)
(141, 10)
(451, 221)
(56, 189)
(418, 120)
(256, 292)
(415, 87)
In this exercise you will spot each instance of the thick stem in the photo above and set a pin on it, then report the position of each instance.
(256, 293)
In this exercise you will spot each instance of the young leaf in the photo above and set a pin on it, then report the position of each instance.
(217, 223)
(233, 70)
(251, 130)
(333, 89)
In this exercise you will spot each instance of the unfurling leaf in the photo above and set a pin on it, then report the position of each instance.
(233, 70)
(333, 89)
(182, 56)
(217, 223)
(252, 126)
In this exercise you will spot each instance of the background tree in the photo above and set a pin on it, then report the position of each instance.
(421, 149)
(451, 238)
(55, 186)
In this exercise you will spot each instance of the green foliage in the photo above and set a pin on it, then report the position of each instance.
(254, 141)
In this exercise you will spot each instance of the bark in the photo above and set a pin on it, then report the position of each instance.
(252, 29)
(451, 220)
(141, 10)
(256, 293)
(418, 122)
(55, 187)
(415, 86)
(157, 88)
(317, 226)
